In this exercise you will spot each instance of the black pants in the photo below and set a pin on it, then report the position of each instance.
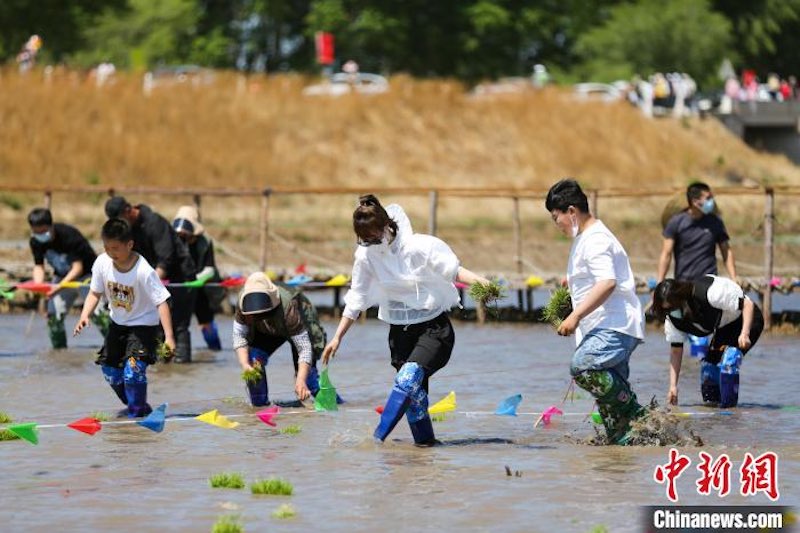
(728, 335)
(123, 342)
(429, 344)
(181, 306)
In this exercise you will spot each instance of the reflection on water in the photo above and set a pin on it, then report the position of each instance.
(126, 478)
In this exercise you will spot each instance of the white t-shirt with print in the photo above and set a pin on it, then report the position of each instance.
(133, 296)
(597, 255)
(723, 294)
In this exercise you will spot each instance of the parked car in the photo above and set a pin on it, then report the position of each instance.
(598, 91)
(344, 83)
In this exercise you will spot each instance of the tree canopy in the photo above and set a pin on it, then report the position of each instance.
(467, 39)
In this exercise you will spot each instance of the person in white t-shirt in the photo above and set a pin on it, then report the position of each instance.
(137, 301)
(607, 317)
(410, 277)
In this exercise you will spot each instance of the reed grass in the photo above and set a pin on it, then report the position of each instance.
(227, 524)
(226, 480)
(272, 486)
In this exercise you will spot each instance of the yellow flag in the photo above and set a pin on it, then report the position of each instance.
(445, 405)
(216, 419)
(534, 281)
(338, 280)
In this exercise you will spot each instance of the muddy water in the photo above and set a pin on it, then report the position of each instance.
(126, 478)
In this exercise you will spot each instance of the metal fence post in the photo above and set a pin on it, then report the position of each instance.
(433, 199)
(769, 218)
(265, 194)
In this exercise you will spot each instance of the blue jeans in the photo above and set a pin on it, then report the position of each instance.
(604, 349)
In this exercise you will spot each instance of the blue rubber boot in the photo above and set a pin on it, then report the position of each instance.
(729, 377)
(211, 336)
(135, 376)
(709, 382)
(393, 411)
(698, 346)
(259, 390)
(114, 379)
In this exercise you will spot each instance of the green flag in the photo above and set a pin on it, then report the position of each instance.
(25, 431)
(326, 397)
(199, 282)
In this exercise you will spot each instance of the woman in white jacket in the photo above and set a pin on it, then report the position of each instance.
(410, 277)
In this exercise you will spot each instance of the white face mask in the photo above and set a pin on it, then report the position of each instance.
(676, 313)
(707, 207)
(42, 237)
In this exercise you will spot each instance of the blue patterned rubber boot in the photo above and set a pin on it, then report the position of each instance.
(422, 430)
(729, 377)
(698, 346)
(393, 411)
(211, 336)
(135, 376)
(709, 382)
(407, 397)
(114, 378)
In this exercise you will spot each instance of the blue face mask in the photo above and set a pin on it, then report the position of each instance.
(708, 206)
(676, 313)
(42, 237)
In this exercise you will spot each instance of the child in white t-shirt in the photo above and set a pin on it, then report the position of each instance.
(607, 316)
(137, 301)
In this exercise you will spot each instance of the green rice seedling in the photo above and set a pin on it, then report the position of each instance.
(227, 524)
(253, 375)
(272, 486)
(226, 480)
(438, 418)
(284, 511)
(102, 416)
(5, 418)
(486, 293)
(558, 308)
(164, 353)
(599, 529)
(291, 430)
(7, 435)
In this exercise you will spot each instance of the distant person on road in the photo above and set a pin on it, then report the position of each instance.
(71, 257)
(207, 300)
(607, 317)
(692, 236)
(156, 241)
(411, 278)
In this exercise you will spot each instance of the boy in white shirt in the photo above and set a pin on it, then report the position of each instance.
(607, 316)
(137, 301)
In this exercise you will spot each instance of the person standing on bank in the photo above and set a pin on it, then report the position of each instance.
(607, 317)
(71, 256)
(411, 278)
(158, 243)
(716, 306)
(692, 236)
(207, 301)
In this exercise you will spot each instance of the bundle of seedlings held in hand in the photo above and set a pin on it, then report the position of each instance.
(486, 293)
(164, 353)
(558, 308)
(252, 375)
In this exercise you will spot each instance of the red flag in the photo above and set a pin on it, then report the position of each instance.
(90, 426)
(324, 42)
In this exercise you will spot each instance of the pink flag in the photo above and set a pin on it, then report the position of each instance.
(268, 414)
(548, 414)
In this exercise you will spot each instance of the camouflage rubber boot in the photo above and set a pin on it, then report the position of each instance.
(101, 320)
(616, 402)
(57, 332)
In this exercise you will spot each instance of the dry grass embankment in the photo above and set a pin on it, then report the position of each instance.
(426, 133)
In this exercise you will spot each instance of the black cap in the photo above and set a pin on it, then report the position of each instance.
(115, 206)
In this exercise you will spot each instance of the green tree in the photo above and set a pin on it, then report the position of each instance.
(653, 36)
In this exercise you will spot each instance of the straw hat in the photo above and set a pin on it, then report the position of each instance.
(188, 219)
(259, 295)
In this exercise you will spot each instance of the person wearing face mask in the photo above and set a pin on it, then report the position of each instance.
(267, 316)
(717, 307)
(411, 278)
(70, 256)
(207, 301)
(606, 317)
(693, 236)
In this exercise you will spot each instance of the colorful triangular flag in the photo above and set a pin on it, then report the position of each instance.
(508, 407)
(268, 414)
(548, 414)
(597, 419)
(25, 431)
(326, 397)
(338, 280)
(89, 425)
(215, 419)
(445, 405)
(155, 420)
